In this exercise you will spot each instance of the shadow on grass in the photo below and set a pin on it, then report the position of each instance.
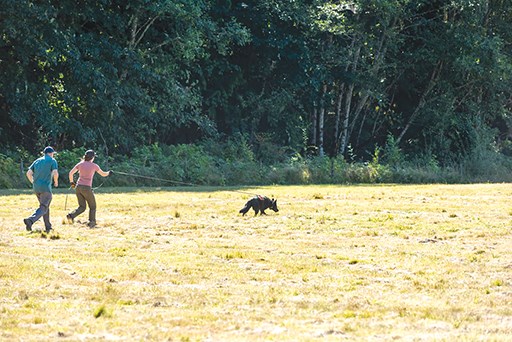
(132, 189)
(242, 189)
(198, 188)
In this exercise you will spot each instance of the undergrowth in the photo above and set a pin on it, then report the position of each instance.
(235, 163)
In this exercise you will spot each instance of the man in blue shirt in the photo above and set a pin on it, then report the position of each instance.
(40, 174)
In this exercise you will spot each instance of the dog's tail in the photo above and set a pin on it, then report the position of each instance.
(245, 209)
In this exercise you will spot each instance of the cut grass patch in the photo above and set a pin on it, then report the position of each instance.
(337, 262)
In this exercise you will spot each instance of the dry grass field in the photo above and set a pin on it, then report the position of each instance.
(384, 262)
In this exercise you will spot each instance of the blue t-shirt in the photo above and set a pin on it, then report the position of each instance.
(42, 169)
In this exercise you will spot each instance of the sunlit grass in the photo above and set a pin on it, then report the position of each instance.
(337, 262)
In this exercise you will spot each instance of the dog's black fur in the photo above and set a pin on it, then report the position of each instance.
(259, 204)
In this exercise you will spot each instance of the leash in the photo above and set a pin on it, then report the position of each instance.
(157, 179)
(154, 178)
(99, 186)
(174, 182)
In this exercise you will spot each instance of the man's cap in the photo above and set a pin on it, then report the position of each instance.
(90, 153)
(48, 149)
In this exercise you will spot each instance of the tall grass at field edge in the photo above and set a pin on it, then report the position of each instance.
(199, 165)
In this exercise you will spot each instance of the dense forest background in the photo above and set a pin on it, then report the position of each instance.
(260, 91)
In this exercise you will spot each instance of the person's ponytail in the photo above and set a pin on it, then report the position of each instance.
(89, 155)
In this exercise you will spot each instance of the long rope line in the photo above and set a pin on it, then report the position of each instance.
(153, 178)
(157, 179)
(174, 182)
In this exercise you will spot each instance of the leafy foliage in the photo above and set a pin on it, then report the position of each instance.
(335, 78)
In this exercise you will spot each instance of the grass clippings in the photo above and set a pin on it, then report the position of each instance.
(337, 262)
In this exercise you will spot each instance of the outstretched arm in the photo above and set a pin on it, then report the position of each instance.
(103, 173)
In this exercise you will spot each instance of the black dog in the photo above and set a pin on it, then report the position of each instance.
(259, 204)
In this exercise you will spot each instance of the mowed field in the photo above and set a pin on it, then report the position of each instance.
(383, 262)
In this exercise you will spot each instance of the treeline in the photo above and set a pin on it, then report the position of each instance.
(403, 82)
(234, 163)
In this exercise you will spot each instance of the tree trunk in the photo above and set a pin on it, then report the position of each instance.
(137, 34)
(351, 116)
(346, 120)
(339, 103)
(343, 135)
(321, 119)
(432, 82)
(314, 129)
(362, 103)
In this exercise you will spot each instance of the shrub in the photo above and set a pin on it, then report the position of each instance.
(168, 165)
(67, 159)
(392, 155)
(9, 172)
(243, 173)
(189, 163)
(288, 174)
(485, 164)
(320, 169)
(232, 162)
(235, 148)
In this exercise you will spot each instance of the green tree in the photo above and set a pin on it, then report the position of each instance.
(111, 71)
